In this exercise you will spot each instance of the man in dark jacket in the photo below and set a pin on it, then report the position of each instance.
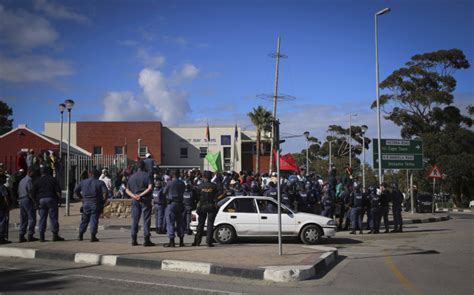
(207, 209)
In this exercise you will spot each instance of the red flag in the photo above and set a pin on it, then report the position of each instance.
(208, 135)
(287, 162)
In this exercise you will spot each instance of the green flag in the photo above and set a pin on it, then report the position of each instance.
(214, 160)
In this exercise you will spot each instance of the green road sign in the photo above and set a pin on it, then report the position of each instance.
(399, 154)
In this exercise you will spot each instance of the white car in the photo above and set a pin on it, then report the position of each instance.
(255, 216)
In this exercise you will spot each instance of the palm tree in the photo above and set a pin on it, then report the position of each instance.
(262, 119)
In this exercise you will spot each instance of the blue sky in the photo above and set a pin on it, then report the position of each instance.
(185, 62)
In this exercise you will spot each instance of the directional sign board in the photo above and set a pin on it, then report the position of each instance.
(399, 154)
(435, 173)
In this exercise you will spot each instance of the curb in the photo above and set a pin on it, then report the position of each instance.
(269, 273)
(427, 220)
(455, 210)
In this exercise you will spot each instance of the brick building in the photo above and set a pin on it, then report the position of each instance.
(133, 139)
(22, 139)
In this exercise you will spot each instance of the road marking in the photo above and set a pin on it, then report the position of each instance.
(401, 278)
(155, 284)
(125, 281)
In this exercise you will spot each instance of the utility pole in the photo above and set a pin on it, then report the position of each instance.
(275, 95)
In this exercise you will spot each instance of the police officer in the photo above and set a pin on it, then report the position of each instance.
(27, 207)
(139, 188)
(5, 203)
(149, 164)
(174, 192)
(93, 193)
(159, 202)
(206, 209)
(302, 198)
(254, 189)
(271, 191)
(47, 194)
(385, 197)
(375, 210)
(357, 204)
(328, 203)
(190, 201)
(285, 196)
(397, 199)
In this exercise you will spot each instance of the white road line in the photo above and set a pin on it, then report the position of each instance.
(154, 284)
(128, 281)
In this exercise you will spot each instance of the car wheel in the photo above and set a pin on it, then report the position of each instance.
(224, 234)
(311, 235)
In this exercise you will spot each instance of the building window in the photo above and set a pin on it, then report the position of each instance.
(119, 150)
(143, 151)
(225, 140)
(97, 150)
(202, 152)
(183, 152)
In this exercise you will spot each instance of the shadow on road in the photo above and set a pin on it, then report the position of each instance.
(23, 280)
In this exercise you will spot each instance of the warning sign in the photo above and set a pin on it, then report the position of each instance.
(435, 173)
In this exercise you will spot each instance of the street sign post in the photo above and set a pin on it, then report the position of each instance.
(435, 174)
(399, 154)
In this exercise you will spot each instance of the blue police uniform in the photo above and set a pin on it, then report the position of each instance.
(375, 204)
(92, 191)
(46, 191)
(285, 199)
(328, 205)
(303, 201)
(384, 208)
(4, 207)
(189, 200)
(271, 192)
(159, 202)
(137, 184)
(174, 192)
(397, 200)
(356, 211)
(27, 208)
(149, 163)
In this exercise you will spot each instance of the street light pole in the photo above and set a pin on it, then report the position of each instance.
(69, 103)
(379, 131)
(306, 134)
(62, 107)
(363, 129)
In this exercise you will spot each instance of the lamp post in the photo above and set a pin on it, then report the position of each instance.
(306, 134)
(139, 146)
(69, 103)
(363, 130)
(350, 138)
(379, 131)
(62, 107)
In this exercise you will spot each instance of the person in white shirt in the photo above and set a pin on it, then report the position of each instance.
(108, 182)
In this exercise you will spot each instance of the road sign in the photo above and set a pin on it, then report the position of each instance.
(435, 173)
(399, 154)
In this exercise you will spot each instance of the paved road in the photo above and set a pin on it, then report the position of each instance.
(433, 258)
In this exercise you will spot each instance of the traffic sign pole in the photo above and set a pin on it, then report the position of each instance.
(433, 203)
(411, 194)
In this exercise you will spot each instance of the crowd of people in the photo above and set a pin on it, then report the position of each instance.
(175, 194)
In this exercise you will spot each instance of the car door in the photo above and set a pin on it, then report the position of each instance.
(268, 219)
(242, 214)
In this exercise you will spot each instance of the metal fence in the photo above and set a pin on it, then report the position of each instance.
(82, 164)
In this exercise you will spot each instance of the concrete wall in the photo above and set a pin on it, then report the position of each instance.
(53, 129)
(193, 138)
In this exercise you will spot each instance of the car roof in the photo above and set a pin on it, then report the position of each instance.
(253, 197)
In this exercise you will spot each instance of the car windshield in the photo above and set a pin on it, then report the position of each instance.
(222, 202)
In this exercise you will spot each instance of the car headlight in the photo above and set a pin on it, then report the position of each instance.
(331, 222)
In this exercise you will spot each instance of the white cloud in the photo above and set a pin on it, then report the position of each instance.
(57, 11)
(123, 106)
(32, 68)
(21, 30)
(150, 60)
(170, 106)
(158, 101)
(185, 73)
